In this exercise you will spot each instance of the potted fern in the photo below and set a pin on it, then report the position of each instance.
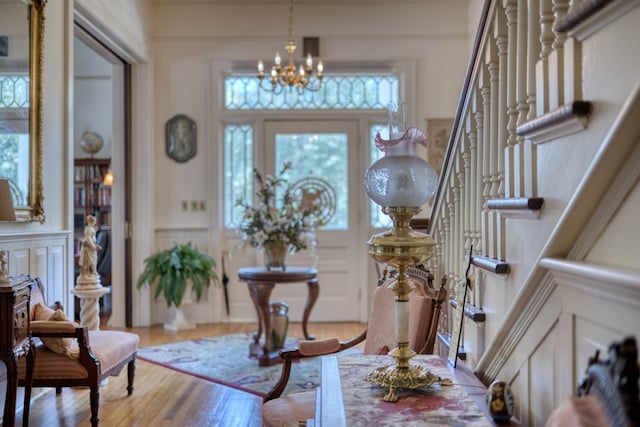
(176, 273)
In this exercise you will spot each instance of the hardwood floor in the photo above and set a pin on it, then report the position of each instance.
(163, 397)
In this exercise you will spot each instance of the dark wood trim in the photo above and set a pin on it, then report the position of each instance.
(128, 188)
(579, 14)
(471, 311)
(421, 224)
(522, 203)
(490, 264)
(576, 109)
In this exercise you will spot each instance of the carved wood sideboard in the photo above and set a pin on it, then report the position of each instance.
(15, 342)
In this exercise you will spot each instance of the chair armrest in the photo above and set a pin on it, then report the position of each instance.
(46, 328)
(62, 329)
(308, 349)
(317, 348)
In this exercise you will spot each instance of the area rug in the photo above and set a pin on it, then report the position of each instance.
(225, 360)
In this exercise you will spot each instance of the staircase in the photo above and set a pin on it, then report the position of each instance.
(540, 184)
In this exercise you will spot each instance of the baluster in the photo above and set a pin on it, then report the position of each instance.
(521, 98)
(510, 172)
(542, 67)
(486, 148)
(533, 53)
(502, 43)
(511, 11)
(447, 229)
(476, 168)
(494, 72)
(459, 207)
(466, 175)
(455, 245)
(556, 58)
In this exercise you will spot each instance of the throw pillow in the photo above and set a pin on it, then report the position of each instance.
(57, 345)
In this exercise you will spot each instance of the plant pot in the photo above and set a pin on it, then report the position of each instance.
(179, 322)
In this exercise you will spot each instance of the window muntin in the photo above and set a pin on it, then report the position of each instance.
(338, 92)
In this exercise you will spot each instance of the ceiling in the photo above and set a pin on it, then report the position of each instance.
(322, 2)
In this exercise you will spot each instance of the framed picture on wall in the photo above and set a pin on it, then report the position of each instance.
(180, 135)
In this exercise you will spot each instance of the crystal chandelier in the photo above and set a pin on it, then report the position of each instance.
(300, 77)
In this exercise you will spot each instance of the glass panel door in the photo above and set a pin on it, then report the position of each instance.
(324, 151)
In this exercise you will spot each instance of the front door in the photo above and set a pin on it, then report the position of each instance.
(324, 153)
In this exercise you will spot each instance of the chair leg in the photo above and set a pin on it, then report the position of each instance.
(94, 399)
(131, 373)
(58, 390)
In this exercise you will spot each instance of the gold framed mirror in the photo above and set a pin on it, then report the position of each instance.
(21, 70)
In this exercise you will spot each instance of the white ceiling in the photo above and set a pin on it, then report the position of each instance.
(322, 2)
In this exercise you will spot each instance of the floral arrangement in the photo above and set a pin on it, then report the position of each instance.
(289, 222)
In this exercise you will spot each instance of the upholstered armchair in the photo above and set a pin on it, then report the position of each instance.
(69, 355)
(425, 304)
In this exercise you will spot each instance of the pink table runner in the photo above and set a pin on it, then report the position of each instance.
(433, 406)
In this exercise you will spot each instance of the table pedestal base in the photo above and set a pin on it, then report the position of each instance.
(261, 282)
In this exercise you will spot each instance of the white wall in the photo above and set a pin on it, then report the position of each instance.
(192, 39)
(431, 35)
(93, 99)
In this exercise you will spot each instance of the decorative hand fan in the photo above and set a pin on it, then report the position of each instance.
(317, 195)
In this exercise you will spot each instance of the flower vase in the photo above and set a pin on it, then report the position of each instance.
(275, 254)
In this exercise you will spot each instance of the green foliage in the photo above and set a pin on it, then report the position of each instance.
(169, 270)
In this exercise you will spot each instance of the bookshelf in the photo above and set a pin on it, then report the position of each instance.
(92, 197)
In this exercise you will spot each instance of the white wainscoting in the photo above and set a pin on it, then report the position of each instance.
(42, 255)
(583, 308)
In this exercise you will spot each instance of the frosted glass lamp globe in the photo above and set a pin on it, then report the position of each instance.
(400, 178)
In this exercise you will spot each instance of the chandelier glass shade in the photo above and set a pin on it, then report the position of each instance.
(301, 77)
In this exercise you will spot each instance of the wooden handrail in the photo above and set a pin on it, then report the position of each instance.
(462, 100)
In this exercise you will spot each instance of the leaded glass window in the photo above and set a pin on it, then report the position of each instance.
(238, 170)
(338, 92)
(14, 139)
(14, 91)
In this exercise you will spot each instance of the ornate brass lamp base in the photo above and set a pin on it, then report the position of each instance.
(401, 247)
(411, 377)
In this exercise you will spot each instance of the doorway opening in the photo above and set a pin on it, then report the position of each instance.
(101, 141)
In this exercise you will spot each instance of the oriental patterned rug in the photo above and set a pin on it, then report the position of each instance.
(225, 360)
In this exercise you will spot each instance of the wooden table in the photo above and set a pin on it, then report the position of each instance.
(261, 282)
(345, 399)
(15, 342)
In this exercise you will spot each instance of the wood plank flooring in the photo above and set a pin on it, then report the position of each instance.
(163, 397)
